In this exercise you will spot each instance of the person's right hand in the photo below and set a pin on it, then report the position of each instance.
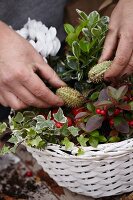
(20, 86)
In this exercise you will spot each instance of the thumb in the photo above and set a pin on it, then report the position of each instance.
(109, 47)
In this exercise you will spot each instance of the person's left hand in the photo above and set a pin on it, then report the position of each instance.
(119, 41)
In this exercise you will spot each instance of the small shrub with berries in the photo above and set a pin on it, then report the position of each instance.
(94, 112)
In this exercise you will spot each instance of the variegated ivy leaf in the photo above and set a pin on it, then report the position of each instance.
(5, 149)
(19, 117)
(82, 140)
(42, 123)
(68, 145)
(131, 105)
(80, 152)
(59, 116)
(74, 130)
(35, 142)
(3, 127)
(49, 115)
(13, 139)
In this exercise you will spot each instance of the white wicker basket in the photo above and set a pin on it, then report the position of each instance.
(103, 171)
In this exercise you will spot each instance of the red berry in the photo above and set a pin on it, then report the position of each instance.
(75, 111)
(103, 112)
(29, 174)
(111, 122)
(126, 98)
(117, 111)
(69, 121)
(98, 111)
(58, 124)
(130, 123)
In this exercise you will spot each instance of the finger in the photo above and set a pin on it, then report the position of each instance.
(27, 97)
(13, 102)
(37, 87)
(50, 75)
(122, 57)
(109, 46)
(3, 102)
(129, 69)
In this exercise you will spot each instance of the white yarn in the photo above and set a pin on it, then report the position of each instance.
(42, 38)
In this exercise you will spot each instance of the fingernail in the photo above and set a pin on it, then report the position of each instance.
(60, 104)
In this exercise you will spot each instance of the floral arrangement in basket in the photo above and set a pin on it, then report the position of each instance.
(94, 111)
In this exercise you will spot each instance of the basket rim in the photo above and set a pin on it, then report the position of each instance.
(103, 151)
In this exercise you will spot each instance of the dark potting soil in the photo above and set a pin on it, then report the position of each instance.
(16, 185)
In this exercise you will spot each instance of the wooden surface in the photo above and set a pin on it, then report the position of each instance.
(48, 190)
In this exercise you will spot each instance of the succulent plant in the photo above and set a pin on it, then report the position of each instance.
(70, 96)
(96, 73)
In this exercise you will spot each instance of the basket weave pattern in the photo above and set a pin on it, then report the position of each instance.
(104, 171)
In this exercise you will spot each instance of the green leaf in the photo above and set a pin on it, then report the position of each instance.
(96, 32)
(112, 92)
(121, 92)
(90, 107)
(93, 141)
(13, 139)
(5, 150)
(87, 33)
(118, 120)
(95, 133)
(114, 139)
(59, 116)
(72, 62)
(68, 145)
(79, 28)
(82, 140)
(131, 105)
(74, 130)
(13, 149)
(42, 123)
(82, 14)
(93, 18)
(84, 45)
(32, 132)
(71, 38)
(3, 127)
(69, 28)
(80, 152)
(102, 139)
(49, 115)
(19, 117)
(35, 142)
(94, 96)
(64, 130)
(117, 94)
(76, 49)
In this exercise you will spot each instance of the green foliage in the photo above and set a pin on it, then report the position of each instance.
(92, 128)
(3, 127)
(106, 113)
(84, 46)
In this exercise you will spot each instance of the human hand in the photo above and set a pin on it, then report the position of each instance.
(119, 41)
(20, 86)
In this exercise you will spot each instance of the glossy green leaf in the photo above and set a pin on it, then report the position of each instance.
(69, 28)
